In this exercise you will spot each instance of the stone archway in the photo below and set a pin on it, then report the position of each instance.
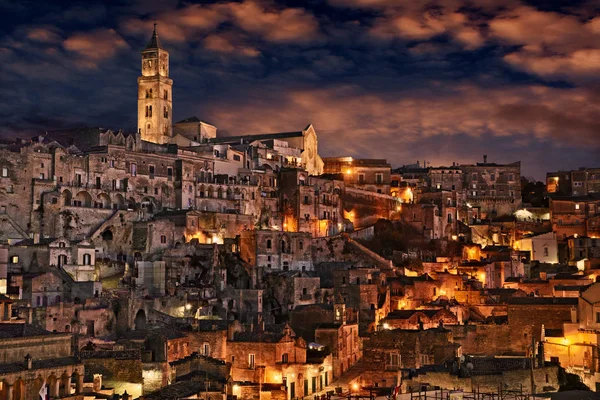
(53, 385)
(4, 390)
(140, 322)
(19, 390)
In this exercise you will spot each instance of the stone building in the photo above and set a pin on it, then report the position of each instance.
(446, 178)
(575, 215)
(311, 204)
(387, 352)
(276, 355)
(305, 140)
(342, 339)
(363, 174)
(33, 357)
(364, 290)
(579, 182)
(494, 188)
(543, 247)
(277, 250)
(418, 319)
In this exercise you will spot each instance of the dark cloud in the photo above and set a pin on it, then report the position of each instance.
(443, 80)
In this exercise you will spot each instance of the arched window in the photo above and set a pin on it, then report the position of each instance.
(38, 301)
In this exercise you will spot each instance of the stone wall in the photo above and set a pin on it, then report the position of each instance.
(216, 340)
(14, 350)
(492, 339)
(545, 378)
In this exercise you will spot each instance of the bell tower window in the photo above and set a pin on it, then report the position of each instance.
(148, 111)
(166, 112)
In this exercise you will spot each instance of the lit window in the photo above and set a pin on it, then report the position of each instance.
(14, 259)
(577, 206)
(4, 172)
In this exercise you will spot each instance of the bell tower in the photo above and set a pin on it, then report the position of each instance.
(155, 94)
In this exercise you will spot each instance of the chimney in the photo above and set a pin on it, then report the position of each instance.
(485, 158)
(29, 361)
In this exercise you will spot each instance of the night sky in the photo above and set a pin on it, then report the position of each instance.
(405, 80)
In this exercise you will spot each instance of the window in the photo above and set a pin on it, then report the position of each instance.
(304, 291)
(166, 95)
(395, 360)
(151, 171)
(166, 112)
(511, 177)
(301, 245)
(251, 361)
(236, 157)
(206, 349)
(4, 172)
(545, 252)
(87, 259)
(379, 178)
(361, 178)
(576, 206)
(284, 358)
(14, 259)
(492, 177)
(598, 317)
(474, 176)
(42, 176)
(163, 239)
(170, 173)
(133, 169)
(269, 244)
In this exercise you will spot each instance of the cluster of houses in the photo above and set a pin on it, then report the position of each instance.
(173, 262)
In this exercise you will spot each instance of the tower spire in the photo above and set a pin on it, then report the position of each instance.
(154, 41)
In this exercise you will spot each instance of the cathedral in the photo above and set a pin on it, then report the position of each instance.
(82, 176)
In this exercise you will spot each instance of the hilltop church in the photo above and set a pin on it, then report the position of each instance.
(155, 113)
(82, 176)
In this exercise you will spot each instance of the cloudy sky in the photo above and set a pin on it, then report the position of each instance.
(406, 80)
